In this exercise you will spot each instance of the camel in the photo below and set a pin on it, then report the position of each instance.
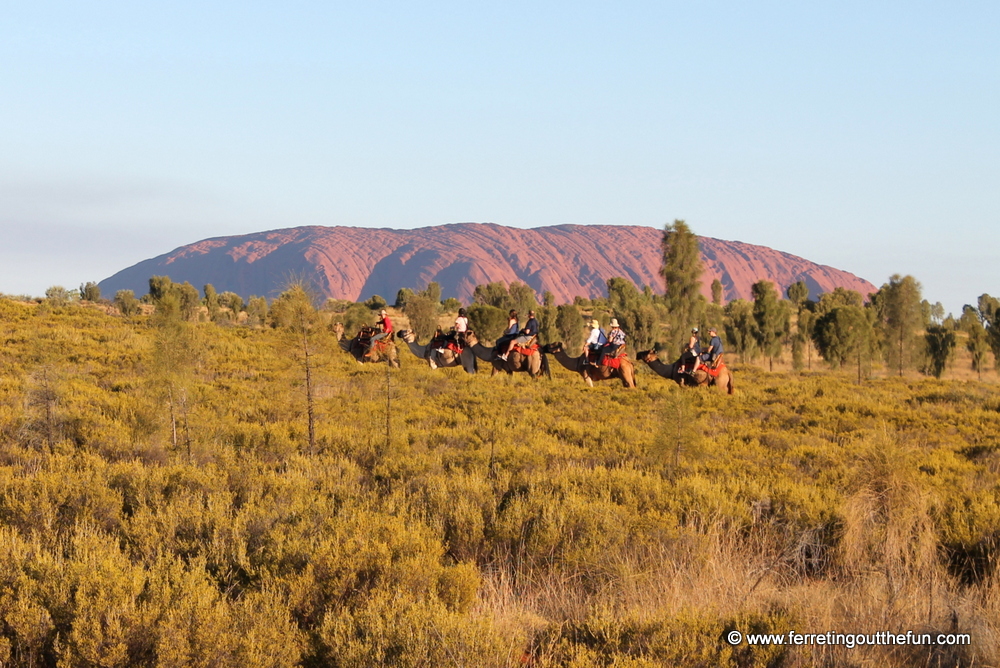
(724, 382)
(338, 330)
(534, 365)
(384, 349)
(625, 372)
(436, 359)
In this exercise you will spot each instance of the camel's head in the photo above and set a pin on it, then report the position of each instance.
(471, 338)
(646, 355)
(554, 347)
(338, 329)
(407, 335)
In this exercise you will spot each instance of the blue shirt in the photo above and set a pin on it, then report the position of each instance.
(716, 344)
(530, 328)
(512, 328)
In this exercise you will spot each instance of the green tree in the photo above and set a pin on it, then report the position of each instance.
(433, 292)
(126, 303)
(190, 300)
(798, 293)
(487, 321)
(233, 302)
(375, 303)
(717, 292)
(771, 318)
(211, 301)
(159, 286)
(844, 334)
(940, 347)
(57, 295)
(256, 311)
(90, 291)
(987, 308)
(451, 305)
(898, 305)
(422, 312)
(403, 296)
(521, 298)
(681, 272)
(741, 328)
(977, 342)
(570, 326)
(491, 294)
(803, 336)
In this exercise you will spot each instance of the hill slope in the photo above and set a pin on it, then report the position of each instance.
(355, 263)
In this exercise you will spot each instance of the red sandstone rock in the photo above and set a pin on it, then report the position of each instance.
(355, 262)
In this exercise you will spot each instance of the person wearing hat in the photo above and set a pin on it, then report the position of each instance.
(597, 338)
(616, 339)
(384, 325)
(524, 336)
(714, 347)
(691, 352)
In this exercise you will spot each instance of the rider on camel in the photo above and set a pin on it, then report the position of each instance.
(513, 327)
(714, 350)
(524, 337)
(597, 339)
(616, 339)
(384, 325)
(460, 329)
(691, 352)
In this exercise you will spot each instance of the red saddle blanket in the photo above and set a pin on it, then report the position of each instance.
(454, 347)
(529, 350)
(608, 361)
(714, 373)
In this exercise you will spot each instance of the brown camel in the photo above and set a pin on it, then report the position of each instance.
(384, 349)
(436, 359)
(625, 372)
(535, 365)
(724, 382)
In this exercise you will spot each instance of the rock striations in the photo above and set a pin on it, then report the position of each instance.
(568, 260)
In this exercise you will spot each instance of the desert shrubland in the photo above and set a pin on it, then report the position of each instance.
(162, 504)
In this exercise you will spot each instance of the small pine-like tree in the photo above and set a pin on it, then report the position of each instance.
(771, 318)
(403, 296)
(940, 347)
(570, 325)
(717, 292)
(898, 306)
(681, 271)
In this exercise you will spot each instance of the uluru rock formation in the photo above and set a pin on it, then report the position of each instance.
(568, 260)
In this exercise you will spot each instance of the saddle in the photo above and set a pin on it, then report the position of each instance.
(530, 348)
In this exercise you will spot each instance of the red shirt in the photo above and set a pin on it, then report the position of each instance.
(386, 324)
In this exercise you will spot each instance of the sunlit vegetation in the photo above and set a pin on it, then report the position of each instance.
(182, 489)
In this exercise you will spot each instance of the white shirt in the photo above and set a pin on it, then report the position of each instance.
(595, 337)
(461, 324)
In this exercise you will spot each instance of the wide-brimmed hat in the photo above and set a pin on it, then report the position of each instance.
(614, 322)
(383, 312)
(594, 323)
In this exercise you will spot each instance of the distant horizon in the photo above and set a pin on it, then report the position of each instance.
(860, 136)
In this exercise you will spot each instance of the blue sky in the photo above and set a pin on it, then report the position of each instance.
(860, 135)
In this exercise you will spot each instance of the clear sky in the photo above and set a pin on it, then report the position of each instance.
(863, 135)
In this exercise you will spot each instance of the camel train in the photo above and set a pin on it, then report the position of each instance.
(533, 360)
